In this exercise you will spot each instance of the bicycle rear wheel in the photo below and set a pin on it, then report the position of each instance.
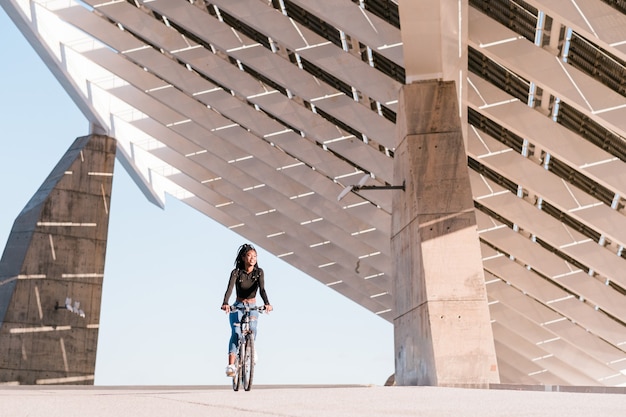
(248, 363)
(239, 363)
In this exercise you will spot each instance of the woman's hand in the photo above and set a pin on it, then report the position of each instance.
(268, 308)
(226, 308)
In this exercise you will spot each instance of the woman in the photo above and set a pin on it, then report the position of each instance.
(246, 278)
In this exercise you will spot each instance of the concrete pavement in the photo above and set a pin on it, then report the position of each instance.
(313, 401)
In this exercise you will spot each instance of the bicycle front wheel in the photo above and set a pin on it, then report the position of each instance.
(239, 362)
(248, 363)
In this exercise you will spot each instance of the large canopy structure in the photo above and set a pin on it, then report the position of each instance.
(259, 114)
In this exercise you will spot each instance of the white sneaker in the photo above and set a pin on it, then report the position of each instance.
(231, 370)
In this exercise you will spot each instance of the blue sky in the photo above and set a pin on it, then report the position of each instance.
(167, 270)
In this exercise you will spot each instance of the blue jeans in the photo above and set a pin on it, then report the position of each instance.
(235, 319)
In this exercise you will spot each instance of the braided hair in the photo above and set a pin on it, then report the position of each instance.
(241, 252)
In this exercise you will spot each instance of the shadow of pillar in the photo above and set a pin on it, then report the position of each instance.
(52, 269)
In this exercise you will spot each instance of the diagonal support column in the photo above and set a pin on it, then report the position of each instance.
(442, 327)
(52, 269)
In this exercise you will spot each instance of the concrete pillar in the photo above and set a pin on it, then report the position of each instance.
(442, 326)
(55, 256)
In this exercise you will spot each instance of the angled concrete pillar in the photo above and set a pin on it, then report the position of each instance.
(52, 268)
(442, 327)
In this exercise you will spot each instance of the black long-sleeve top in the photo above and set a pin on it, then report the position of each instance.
(246, 285)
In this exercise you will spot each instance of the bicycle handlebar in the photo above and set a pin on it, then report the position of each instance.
(258, 308)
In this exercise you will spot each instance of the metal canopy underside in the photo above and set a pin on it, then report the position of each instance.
(259, 113)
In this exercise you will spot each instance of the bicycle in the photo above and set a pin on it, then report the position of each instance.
(245, 350)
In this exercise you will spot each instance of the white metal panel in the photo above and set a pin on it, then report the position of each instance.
(525, 306)
(571, 344)
(574, 280)
(593, 18)
(486, 251)
(566, 197)
(533, 63)
(368, 28)
(593, 344)
(324, 132)
(361, 118)
(359, 218)
(562, 80)
(602, 261)
(180, 104)
(147, 104)
(523, 279)
(300, 260)
(480, 144)
(523, 326)
(221, 71)
(556, 139)
(518, 343)
(577, 311)
(485, 222)
(79, 17)
(532, 220)
(529, 218)
(167, 137)
(386, 128)
(213, 163)
(126, 70)
(516, 369)
(142, 24)
(567, 371)
(595, 292)
(527, 252)
(594, 321)
(313, 48)
(593, 369)
(164, 68)
(266, 200)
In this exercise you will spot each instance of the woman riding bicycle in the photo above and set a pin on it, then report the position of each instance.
(246, 278)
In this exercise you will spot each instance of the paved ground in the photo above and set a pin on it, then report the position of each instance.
(361, 401)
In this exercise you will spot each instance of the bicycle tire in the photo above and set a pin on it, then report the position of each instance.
(239, 362)
(248, 363)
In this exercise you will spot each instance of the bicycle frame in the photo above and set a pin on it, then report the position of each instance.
(245, 349)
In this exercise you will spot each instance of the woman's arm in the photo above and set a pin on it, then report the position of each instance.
(229, 288)
(262, 291)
